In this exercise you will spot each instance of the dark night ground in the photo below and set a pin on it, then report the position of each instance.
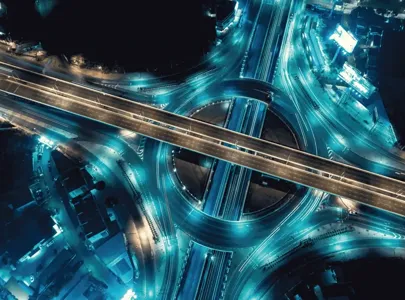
(377, 278)
(392, 79)
(363, 279)
(135, 34)
(15, 165)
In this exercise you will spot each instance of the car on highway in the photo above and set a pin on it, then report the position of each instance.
(40, 151)
(40, 171)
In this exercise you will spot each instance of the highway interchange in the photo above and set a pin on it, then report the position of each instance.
(167, 201)
(292, 165)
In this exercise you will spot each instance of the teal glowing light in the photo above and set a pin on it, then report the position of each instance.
(46, 141)
(36, 254)
(45, 7)
(129, 295)
(3, 9)
(57, 228)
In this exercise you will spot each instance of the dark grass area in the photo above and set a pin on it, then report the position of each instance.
(392, 79)
(373, 276)
(15, 166)
(132, 34)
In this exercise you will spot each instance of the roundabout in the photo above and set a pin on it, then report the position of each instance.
(193, 170)
(186, 204)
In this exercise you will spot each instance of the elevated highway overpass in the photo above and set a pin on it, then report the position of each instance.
(266, 157)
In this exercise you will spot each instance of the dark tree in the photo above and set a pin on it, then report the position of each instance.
(134, 34)
(111, 201)
(100, 185)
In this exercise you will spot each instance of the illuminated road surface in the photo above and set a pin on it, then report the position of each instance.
(377, 190)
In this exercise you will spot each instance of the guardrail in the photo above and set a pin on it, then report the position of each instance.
(138, 199)
(183, 269)
(305, 244)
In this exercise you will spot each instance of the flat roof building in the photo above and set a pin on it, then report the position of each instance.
(77, 184)
(90, 219)
(353, 77)
(115, 256)
(86, 288)
(18, 289)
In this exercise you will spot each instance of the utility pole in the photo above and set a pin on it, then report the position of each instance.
(332, 9)
(345, 96)
(335, 56)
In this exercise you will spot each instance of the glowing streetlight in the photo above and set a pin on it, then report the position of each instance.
(129, 295)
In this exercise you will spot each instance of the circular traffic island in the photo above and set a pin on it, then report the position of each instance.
(194, 171)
